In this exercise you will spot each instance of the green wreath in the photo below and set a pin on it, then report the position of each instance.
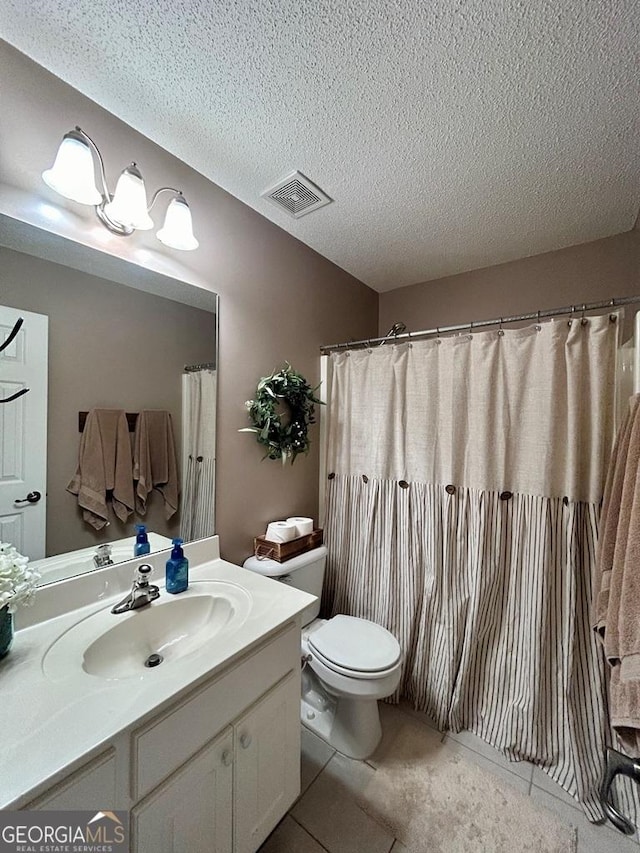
(283, 440)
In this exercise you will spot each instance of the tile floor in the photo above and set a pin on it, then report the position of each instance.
(327, 819)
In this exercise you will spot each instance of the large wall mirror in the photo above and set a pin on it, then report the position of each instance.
(109, 335)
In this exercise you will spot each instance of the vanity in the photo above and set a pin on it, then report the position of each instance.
(202, 749)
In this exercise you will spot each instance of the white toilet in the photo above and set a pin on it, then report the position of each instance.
(351, 662)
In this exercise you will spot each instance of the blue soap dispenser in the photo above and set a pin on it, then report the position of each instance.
(142, 545)
(177, 577)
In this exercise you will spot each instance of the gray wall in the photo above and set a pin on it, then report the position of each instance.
(586, 273)
(110, 346)
(279, 300)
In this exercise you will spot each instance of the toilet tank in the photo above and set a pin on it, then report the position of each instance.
(305, 572)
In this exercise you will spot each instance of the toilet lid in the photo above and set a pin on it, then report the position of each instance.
(356, 644)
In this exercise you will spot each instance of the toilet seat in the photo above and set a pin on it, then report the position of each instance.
(355, 647)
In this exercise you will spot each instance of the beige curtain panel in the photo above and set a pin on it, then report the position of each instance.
(528, 410)
(462, 514)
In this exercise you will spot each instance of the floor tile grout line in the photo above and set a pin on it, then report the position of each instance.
(505, 764)
(310, 834)
(572, 805)
(357, 805)
(413, 715)
(353, 798)
(321, 770)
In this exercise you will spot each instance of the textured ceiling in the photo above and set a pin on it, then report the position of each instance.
(452, 135)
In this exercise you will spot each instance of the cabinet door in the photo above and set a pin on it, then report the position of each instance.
(267, 768)
(192, 811)
(91, 787)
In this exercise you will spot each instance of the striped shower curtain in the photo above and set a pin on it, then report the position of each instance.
(464, 482)
(199, 454)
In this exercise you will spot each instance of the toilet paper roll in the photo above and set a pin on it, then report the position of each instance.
(281, 531)
(304, 526)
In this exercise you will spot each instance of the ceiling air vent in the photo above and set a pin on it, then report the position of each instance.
(297, 195)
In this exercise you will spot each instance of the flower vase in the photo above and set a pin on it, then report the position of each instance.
(6, 630)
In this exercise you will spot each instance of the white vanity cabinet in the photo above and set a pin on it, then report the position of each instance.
(212, 773)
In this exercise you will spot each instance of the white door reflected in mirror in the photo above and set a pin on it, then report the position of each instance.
(23, 432)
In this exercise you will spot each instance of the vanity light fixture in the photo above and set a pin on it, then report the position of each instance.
(73, 176)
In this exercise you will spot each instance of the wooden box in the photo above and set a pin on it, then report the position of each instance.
(283, 551)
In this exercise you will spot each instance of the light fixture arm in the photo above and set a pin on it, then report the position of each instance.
(162, 190)
(103, 176)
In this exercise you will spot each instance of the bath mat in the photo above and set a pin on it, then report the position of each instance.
(432, 799)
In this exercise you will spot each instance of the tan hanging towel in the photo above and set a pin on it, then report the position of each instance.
(154, 460)
(104, 465)
(616, 598)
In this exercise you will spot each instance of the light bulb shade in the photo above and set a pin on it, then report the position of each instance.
(72, 174)
(177, 232)
(129, 204)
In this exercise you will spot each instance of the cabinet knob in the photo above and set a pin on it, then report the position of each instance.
(245, 741)
(227, 758)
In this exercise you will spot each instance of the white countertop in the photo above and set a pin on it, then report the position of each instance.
(48, 725)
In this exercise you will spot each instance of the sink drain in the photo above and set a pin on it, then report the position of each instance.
(153, 660)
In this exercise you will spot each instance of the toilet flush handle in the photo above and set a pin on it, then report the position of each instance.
(285, 579)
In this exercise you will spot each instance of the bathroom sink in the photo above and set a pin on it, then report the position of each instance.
(144, 642)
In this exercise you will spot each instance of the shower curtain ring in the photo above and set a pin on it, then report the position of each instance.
(409, 344)
(583, 319)
(570, 320)
(538, 326)
(438, 341)
(500, 329)
(368, 345)
(470, 336)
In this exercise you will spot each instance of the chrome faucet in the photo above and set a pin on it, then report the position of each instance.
(141, 594)
(102, 557)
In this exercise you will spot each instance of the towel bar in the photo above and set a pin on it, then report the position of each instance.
(618, 764)
(132, 417)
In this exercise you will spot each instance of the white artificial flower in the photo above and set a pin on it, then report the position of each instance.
(17, 580)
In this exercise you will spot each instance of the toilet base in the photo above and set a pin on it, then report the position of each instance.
(352, 726)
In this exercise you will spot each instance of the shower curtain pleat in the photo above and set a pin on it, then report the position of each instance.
(471, 535)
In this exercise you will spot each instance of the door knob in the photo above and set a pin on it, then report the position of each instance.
(245, 741)
(31, 498)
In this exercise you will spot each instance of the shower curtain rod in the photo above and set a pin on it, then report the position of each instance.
(500, 321)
